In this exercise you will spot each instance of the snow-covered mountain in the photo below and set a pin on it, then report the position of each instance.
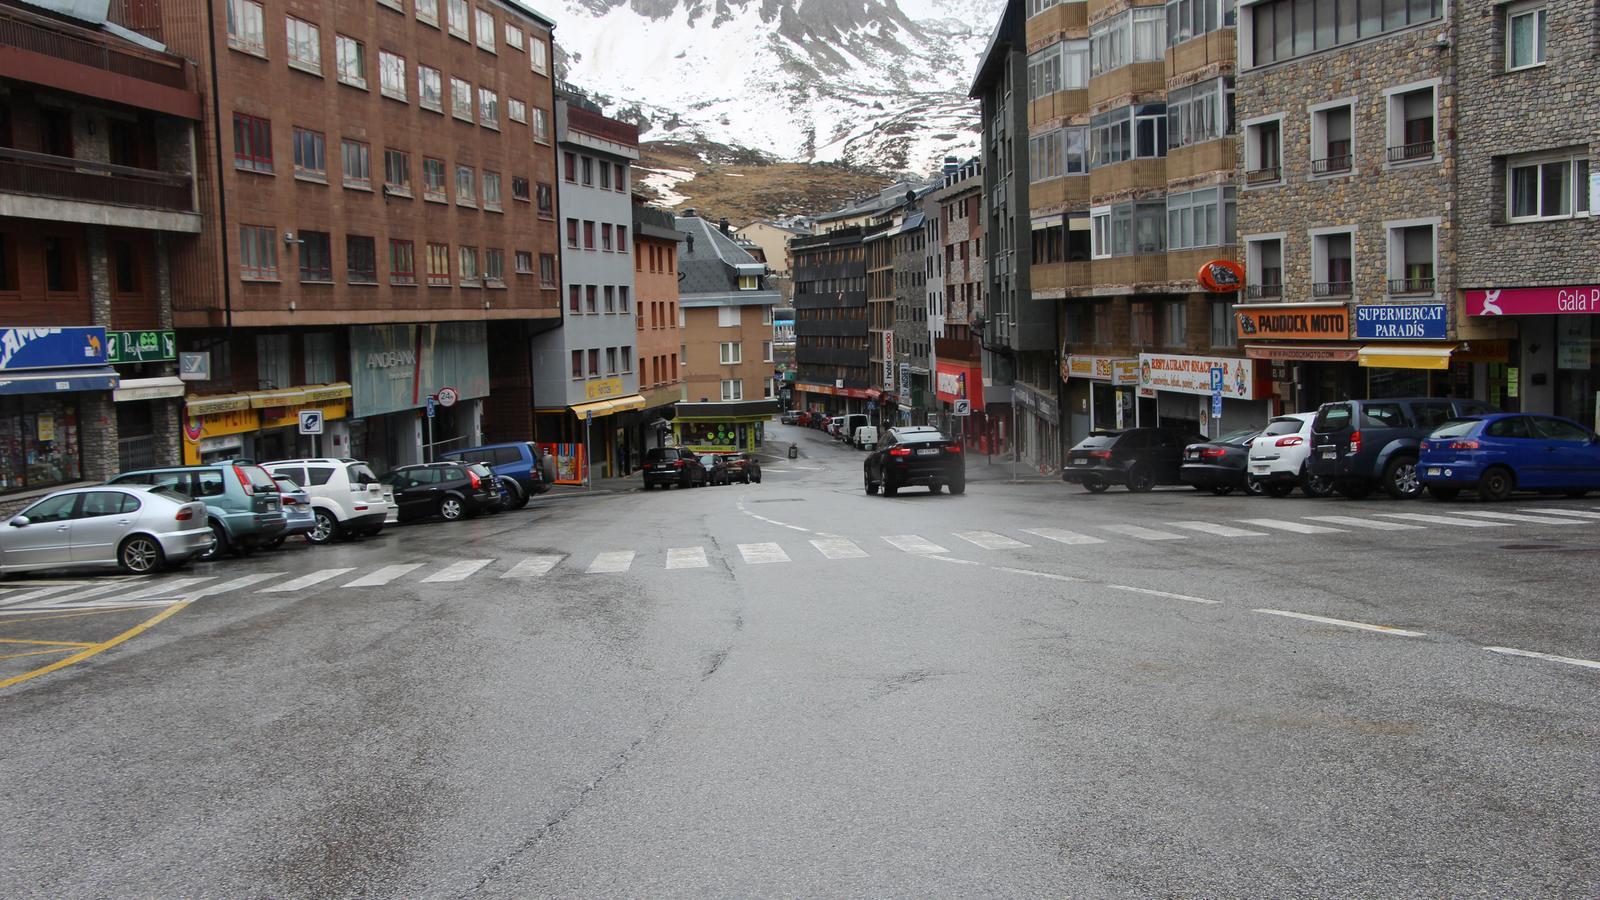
(880, 83)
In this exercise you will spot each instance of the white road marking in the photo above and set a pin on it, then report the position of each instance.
(1343, 623)
(237, 584)
(756, 554)
(1063, 537)
(1296, 527)
(1167, 594)
(611, 562)
(798, 528)
(173, 588)
(1575, 513)
(1143, 533)
(839, 548)
(1534, 654)
(1217, 529)
(1373, 524)
(951, 559)
(305, 581)
(912, 543)
(1050, 575)
(533, 567)
(83, 592)
(687, 558)
(989, 540)
(1442, 520)
(384, 575)
(1514, 517)
(457, 571)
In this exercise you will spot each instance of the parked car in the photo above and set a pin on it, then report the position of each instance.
(529, 472)
(1220, 466)
(835, 425)
(1362, 445)
(851, 425)
(1139, 458)
(243, 508)
(450, 490)
(866, 437)
(790, 417)
(669, 466)
(915, 455)
(744, 467)
(138, 528)
(347, 499)
(1498, 454)
(717, 471)
(500, 487)
(1279, 458)
(296, 509)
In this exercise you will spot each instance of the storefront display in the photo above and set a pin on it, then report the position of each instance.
(38, 442)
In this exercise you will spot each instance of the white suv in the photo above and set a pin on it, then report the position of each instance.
(1278, 458)
(346, 496)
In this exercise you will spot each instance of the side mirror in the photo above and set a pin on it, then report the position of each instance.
(19, 521)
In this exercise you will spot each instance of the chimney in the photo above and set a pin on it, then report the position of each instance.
(951, 165)
(725, 229)
(691, 213)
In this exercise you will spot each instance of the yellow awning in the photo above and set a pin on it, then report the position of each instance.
(281, 397)
(608, 406)
(315, 393)
(207, 406)
(1406, 356)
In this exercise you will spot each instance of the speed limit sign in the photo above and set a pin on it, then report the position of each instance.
(448, 397)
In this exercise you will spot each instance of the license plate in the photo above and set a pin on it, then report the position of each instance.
(1329, 454)
(932, 452)
(1433, 470)
(1080, 462)
(1194, 456)
(1259, 470)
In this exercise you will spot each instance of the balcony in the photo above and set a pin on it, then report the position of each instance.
(1263, 292)
(39, 50)
(1417, 152)
(96, 193)
(1263, 175)
(1329, 290)
(1416, 284)
(1332, 165)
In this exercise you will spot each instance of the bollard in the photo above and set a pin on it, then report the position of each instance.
(794, 451)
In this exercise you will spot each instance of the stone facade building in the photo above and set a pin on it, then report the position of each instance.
(957, 351)
(911, 318)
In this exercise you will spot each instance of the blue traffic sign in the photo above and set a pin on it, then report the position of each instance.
(1216, 379)
(433, 407)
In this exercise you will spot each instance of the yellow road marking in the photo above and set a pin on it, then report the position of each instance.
(45, 643)
(93, 649)
(93, 612)
(37, 652)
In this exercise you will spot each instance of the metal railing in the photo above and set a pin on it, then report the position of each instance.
(1263, 175)
(1332, 164)
(65, 178)
(1331, 289)
(37, 34)
(1263, 291)
(1411, 152)
(1413, 285)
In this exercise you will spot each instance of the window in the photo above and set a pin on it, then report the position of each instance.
(1546, 187)
(524, 261)
(622, 298)
(611, 360)
(1411, 119)
(392, 75)
(491, 191)
(305, 45)
(574, 299)
(1332, 149)
(1149, 34)
(357, 157)
(402, 262)
(247, 27)
(577, 365)
(622, 239)
(433, 179)
(1264, 268)
(310, 154)
(605, 235)
(588, 235)
(1411, 258)
(486, 30)
(252, 143)
(397, 173)
(627, 359)
(1175, 323)
(1062, 66)
(731, 353)
(727, 317)
(319, 350)
(439, 265)
(571, 165)
(258, 253)
(1064, 151)
(316, 257)
(591, 299)
(1199, 113)
(1137, 35)
(587, 165)
(1142, 324)
(519, 189)
(572, 233)
(124, 268)
(468, 271)
(494, 267)
(547, 201)
(594, 363)
(541, 125)
(547, 271)
(1100, 233)
(1132, 132)
(620, 177)
(516, 110)
(1525, 36)
(488, 108)
(458, 18)
(536, 54)
(1332, 262)
(466, 186)
(732, 389)
(396, 5)
(605, 177)
(513, 36)
(611, 298)
(749, 283)
(1223, 332)
(1203, 218)
(351, 57)
(273, 367)
(1036, 7)
(461, 98)
(1263, 152)
(430, 90)
(1191, 18)
(428, 12)
(1284, 29)
(766, 351)
(360, 259)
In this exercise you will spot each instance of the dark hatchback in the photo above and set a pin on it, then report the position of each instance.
(917, 455)
(450, 491)
(1220, 466)
(1361, 445)
(1139, 458)
(743, 467)
(668, 466)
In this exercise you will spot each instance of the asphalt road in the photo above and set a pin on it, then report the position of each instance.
(795, 689)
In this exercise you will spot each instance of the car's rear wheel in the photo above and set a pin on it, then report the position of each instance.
(1095, 485)
(935, 488)
(451, 509)
(219, 544)
(327, 529)
(1400, 479)
(517, 499)
(1496, 484)
(1440, 492)
(1314, 485)
(1140, 480)
(870, 485)
(959, 486)
(890, 488)
(140, 555)
(1253, 487)
(1221, 490)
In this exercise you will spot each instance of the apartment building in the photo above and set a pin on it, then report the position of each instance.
(773, 239)
(379, 201)
(830, 306)
(656, 246)
(97, 190)
(911, 340)
(1527, 76)
(586, 387)
(1349, 130)
(957, 350)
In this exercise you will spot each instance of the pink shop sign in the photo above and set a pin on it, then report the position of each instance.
(1579, 300)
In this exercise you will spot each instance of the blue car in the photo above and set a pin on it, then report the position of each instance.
(1498, 454)
(519, 464)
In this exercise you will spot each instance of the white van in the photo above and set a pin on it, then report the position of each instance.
(866, 437)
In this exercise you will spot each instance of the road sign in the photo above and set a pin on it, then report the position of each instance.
(433, 408)
(310, 421)
(1216, 406)
(1216, 379)
(194, 366)
(448, 397)
(961, 408)
(140, 346)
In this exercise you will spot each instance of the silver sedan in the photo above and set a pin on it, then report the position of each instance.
(137, 528)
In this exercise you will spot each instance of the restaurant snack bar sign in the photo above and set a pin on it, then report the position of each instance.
(1295, 321)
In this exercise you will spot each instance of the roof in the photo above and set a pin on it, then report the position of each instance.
(711, 263)
(884, 200)
(771, 224)
(524, 8)
(1007, 33)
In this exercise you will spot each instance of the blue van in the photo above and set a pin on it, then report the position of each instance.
(526, 472)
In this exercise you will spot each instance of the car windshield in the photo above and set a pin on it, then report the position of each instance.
(361, 475)
(1282, 426)
(259, 479)
(1099, 440)
(708, 460)
(1241, 436)
(1333, 418)
(286, 484)
(1454, 429)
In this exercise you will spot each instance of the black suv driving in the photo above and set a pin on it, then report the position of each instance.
(1361, 445)
(1140, 458)
(668, 466)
